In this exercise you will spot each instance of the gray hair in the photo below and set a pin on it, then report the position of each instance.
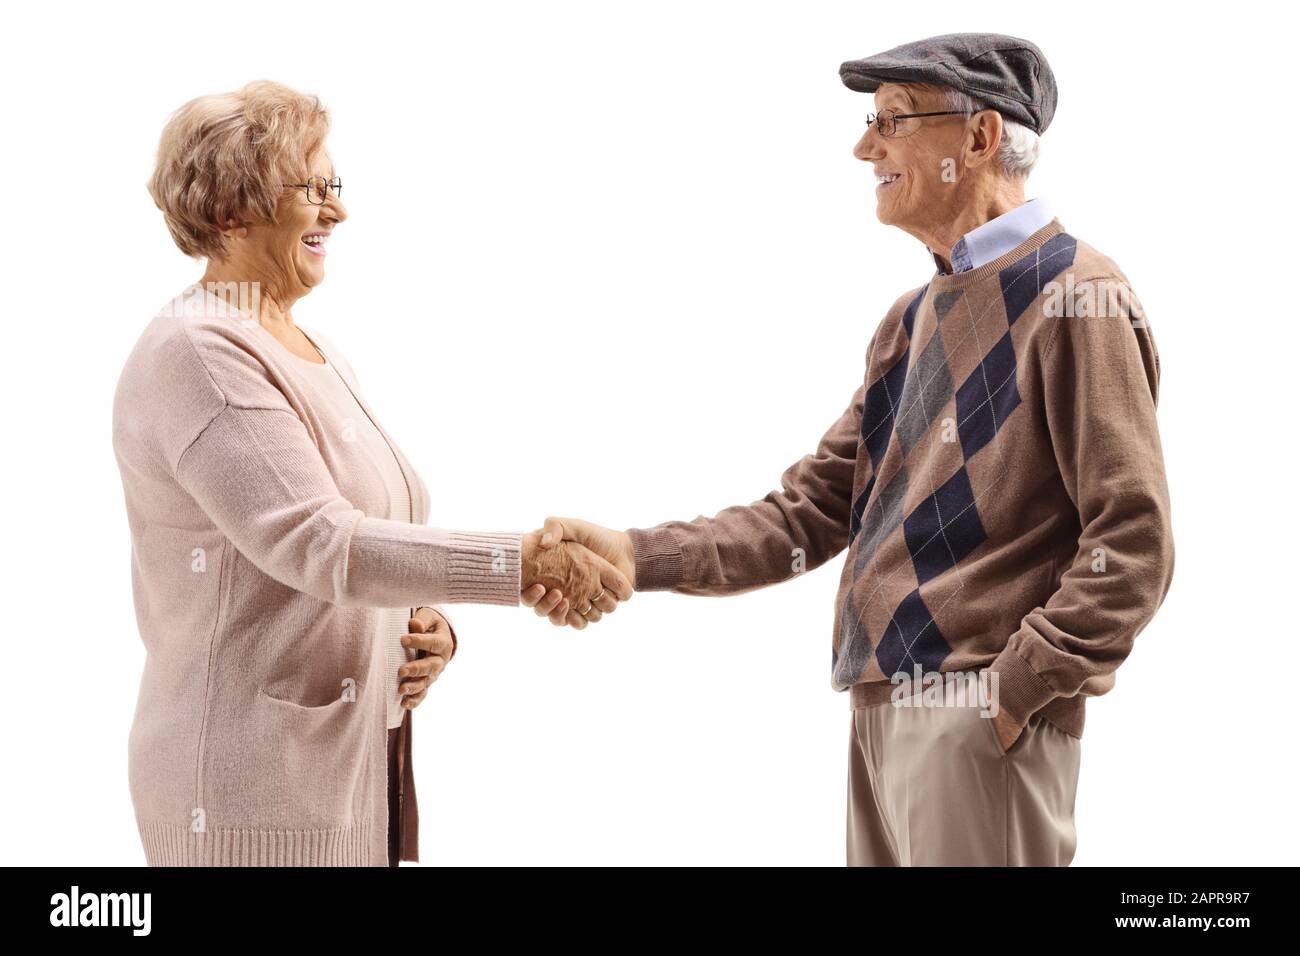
(1018, 151)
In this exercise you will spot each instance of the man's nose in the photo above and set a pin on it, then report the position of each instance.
(869, 147)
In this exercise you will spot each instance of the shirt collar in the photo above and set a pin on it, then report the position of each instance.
(998, 236)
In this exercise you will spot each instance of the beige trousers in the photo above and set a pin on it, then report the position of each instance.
(930, 786)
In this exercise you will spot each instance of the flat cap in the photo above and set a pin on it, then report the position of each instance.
(1001, 72)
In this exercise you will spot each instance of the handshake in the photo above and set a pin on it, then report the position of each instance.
(574, 572)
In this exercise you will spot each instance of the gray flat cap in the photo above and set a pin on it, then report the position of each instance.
(1006, 73)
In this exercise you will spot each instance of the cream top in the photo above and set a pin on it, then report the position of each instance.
(357, 427)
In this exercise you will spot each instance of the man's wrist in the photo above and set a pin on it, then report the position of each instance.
(656, 558)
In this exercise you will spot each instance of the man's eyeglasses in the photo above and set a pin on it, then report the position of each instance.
(317, 188)
(887, 120)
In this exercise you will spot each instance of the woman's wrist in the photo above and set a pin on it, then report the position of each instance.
(483, 567)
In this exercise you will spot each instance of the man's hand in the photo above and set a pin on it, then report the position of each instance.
(1008, 732)
(431, 635)
(569, 583)
(614, 546)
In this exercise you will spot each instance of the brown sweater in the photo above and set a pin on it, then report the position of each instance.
(998, 482)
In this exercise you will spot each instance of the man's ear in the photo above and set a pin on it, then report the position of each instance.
(984, 137)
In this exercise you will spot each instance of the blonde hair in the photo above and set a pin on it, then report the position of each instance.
(225, 156)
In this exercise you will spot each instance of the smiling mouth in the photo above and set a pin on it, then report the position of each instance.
(315, 243)
(884, 182)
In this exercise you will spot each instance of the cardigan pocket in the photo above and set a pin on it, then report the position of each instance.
(349, 693)
(312, 761)
(320, 680)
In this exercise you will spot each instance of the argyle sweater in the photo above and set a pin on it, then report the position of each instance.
(997, 481)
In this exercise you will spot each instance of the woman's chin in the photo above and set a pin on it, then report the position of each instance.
(311, 273)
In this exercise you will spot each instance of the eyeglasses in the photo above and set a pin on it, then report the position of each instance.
(887, 120)
(317, 188)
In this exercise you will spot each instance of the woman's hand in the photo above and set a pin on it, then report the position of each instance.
(550, 604)
(431, 635)
(569, 583)
(614, 546)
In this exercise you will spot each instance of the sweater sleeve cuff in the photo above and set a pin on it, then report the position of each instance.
(658, 559)
(483, 567)
(1020, 691)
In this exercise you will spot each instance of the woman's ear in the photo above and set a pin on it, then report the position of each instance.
(233, 230)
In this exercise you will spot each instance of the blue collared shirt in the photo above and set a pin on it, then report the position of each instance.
(998, 236)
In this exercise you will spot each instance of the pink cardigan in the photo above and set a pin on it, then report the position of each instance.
(258, 576)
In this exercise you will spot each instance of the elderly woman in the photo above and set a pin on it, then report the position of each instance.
(279, 546)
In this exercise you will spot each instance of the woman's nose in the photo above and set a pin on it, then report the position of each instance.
(334, 209)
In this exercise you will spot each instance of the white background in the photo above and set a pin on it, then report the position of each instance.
(616, 261)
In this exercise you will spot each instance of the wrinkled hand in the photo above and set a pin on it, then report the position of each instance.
(430, 634)
(614, 546)
(569, 583)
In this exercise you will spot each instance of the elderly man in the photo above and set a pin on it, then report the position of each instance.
(997, 480)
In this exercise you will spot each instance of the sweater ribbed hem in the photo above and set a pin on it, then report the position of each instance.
(483, 567)
(658, 559)
(168, 844)
(1065, 713)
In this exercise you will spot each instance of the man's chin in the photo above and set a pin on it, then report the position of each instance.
(891, 214)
